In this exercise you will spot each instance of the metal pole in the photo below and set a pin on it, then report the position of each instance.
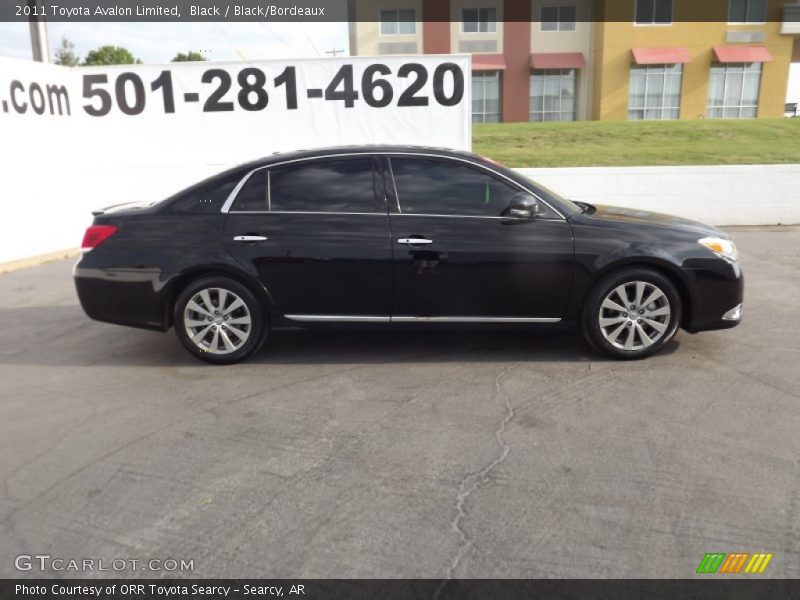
(38, 28)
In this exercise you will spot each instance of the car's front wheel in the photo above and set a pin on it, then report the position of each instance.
(219, 320)
(632, 313)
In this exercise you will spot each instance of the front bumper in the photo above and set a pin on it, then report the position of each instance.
(717, 298)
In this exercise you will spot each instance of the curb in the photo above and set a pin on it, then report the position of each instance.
(35, 261)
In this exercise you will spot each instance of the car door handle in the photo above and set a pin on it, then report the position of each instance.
(250, 238)
(414, 241)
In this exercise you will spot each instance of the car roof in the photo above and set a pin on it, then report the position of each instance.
(358, 149)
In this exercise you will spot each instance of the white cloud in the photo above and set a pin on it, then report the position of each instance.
(159, 42)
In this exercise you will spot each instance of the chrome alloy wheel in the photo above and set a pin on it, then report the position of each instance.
(634, 315)
(217, 321)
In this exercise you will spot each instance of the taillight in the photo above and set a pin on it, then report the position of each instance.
(96, 235)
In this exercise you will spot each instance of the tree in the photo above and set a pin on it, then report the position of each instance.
(110, 55)
(65, 54)
(188, 57)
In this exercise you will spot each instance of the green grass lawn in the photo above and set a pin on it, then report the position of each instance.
(596, 144)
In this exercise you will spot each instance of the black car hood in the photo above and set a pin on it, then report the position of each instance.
(635, 216)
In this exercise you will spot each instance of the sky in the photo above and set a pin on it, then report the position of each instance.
(160, 42)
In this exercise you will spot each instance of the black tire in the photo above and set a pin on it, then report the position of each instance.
(235, 338)
(644, 322)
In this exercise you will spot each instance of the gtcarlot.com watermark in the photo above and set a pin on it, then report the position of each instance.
(47, 562)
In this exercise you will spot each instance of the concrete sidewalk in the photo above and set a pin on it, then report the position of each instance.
(402, 455)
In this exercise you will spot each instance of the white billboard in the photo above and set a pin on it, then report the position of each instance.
(77, 139)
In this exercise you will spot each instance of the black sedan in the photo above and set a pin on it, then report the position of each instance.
(400, 237)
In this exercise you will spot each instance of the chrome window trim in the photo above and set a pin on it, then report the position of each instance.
(394, 187)
(303, 212)
(471, 217)
(377, 214)
(235, 191)
(408, 319)
(269, 190)
(232, 196)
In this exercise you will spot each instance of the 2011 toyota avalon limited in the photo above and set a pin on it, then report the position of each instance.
(400, 236)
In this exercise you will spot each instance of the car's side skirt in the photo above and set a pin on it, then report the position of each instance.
(409, 319)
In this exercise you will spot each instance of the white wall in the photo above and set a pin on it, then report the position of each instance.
(728, 195)
(724, 195)
(793, 92)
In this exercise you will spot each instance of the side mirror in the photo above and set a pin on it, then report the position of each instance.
(523, 206)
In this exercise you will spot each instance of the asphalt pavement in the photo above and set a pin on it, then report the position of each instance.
(401, 455)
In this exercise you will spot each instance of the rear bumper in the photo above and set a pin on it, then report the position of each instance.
(121, 296)
(718, 297)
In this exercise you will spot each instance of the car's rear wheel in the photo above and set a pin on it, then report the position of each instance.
(632, 313)
(219, 320)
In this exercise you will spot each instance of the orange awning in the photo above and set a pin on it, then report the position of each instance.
(488, 62)
(558, 60)
(661, 56)
(742, 54)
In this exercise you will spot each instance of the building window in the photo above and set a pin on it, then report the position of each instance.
(478, 20)
(733, 90)
(398, 22)
(553, 94)
(655, 92)
(747, 11)
(558, 18)
(653, 12)
(486, 96)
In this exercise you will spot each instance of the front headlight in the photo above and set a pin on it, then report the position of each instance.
(721, 247)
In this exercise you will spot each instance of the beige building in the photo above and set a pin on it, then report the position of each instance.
(563, 60)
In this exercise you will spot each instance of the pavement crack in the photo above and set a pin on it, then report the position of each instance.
(472, 481)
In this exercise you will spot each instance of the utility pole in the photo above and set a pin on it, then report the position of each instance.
(38, 28)
(334, 52)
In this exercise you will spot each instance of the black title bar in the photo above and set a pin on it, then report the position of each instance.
(398, 589)
(303, 11)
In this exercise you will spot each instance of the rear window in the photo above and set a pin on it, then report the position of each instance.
(339, 185)
(328, 185)
(253, 195)
(206, 197)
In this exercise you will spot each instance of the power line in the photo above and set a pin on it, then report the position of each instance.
(334, 52)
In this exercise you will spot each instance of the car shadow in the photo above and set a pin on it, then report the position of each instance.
(64, 336)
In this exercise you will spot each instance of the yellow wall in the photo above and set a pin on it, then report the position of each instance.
(615, 40)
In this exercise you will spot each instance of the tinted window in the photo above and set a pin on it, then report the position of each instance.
(747, 11)
(653, 12)
(479, 20)
(437, 187)
(253, 195)
(558, 18)
(205, 197)
(325, 186)
(549, 18)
